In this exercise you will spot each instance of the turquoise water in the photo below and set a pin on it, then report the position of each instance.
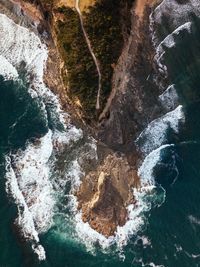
(171, 234)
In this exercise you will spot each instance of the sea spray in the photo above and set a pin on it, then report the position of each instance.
(169, 99)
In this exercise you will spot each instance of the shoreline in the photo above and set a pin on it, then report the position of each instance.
(104, 202)
(114, 184)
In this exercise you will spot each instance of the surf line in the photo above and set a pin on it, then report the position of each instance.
(92, 54)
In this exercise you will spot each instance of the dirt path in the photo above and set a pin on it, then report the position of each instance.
(92, 54)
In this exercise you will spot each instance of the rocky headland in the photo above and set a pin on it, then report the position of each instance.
(119, 37)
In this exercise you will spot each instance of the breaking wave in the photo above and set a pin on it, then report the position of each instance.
(29, 170)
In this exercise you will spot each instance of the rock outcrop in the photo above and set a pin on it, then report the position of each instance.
(105, 194)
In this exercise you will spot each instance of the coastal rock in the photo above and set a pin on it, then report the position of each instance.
(105, 194)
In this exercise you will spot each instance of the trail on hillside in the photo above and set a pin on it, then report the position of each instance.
(92, 53)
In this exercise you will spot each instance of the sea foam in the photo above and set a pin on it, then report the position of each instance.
(169, 42)
(24, 221)
(7, 70)
(28, 171)
(155, 135)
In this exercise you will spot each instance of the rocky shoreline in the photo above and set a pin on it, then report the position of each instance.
(107, 190)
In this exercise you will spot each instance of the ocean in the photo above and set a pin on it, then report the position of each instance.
(41, 154)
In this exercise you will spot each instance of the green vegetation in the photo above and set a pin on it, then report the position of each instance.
(81, 76)
(103, 23)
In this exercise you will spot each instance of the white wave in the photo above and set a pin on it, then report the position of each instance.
(169, 42)
(28, 182)
(136, 218)
(178, 18)
(169, 98)
(89, 236)
(19, 45)
(7, 70)
(32, 171)
(146, 169)
(28, 176)
(68, 137)
(194, 220)
(20, 48)
(24, 220)
(145, 241)
(176, 13)
(150, 264)
(74, 175)
(154, 135)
